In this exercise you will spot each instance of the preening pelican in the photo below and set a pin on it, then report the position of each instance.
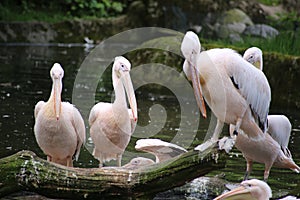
(250, 189)
(111, 125)
(279, 126)
(59, 128)
(160, 149)
(254, 56)
(236, 92)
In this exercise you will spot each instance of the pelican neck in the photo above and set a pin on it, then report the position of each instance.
(120, 98)
(51, 98)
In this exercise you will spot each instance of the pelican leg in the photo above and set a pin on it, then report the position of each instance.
(49, 159)
(212, 141)
(237, 126)
(218, 130)
(119, 160)
(248, 170)
(267, 172)
(69, 162)
(100, 163)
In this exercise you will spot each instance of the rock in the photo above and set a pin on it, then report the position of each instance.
(261, 30)
(233, 21)
(292, 5)
(70, 31)
(235, 16)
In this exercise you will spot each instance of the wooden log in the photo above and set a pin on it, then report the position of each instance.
(26, 171)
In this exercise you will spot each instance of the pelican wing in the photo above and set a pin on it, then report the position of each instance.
(79, 127)
(38, 107)
(162, 150)
(94, 113)
(252, 84)
(280, 129)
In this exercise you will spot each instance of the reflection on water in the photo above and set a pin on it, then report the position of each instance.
(25, 79)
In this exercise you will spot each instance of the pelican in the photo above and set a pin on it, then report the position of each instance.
(138, 162)
(111, 124)
(273, 150)
(254, 56)
(59, 128)
(279, 126)
(250, 189)
(236, 92)
(267, 151)
(160, 149)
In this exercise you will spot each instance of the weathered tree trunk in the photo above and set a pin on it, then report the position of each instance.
(25, 171)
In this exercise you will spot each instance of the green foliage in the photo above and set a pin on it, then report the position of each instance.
(286, 21)
(287, 42)
(270, 2)
(97, 8)
(58, 10)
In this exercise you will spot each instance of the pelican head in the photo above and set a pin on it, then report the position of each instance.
(190, 45)
(254, 56)
(190, 48)
(122, 68)
(57, 73)
(250, 189)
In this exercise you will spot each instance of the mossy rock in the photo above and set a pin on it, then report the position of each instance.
(235, 16)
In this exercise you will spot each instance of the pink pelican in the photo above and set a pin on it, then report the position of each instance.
(59, 128)
(236, 92)
(273, 150)
(111, 124)
(250, 189)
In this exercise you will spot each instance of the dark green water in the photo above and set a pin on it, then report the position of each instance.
(24, 80)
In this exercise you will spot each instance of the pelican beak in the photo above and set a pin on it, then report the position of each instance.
(130, 94)
(57, 97)
(257, 64)
(197, 89)
(237, 193)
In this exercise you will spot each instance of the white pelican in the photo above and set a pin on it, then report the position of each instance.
(160, 149)
(138, 162)
(250, 189)
(236, 92)
(279, 126)
(254, 56)
(59, 128)
(111, 125)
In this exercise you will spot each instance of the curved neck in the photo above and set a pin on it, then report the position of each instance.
(120, 97)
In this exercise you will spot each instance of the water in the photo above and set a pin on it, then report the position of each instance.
(25, 80)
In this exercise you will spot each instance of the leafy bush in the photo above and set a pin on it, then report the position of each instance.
(97, 8)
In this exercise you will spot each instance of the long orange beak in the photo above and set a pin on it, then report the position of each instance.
(57, 97)
(235, 194)
(130, 95)
(197, 89)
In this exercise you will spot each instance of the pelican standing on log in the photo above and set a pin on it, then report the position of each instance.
(59, 128)
(236, 92)
(111, 124)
